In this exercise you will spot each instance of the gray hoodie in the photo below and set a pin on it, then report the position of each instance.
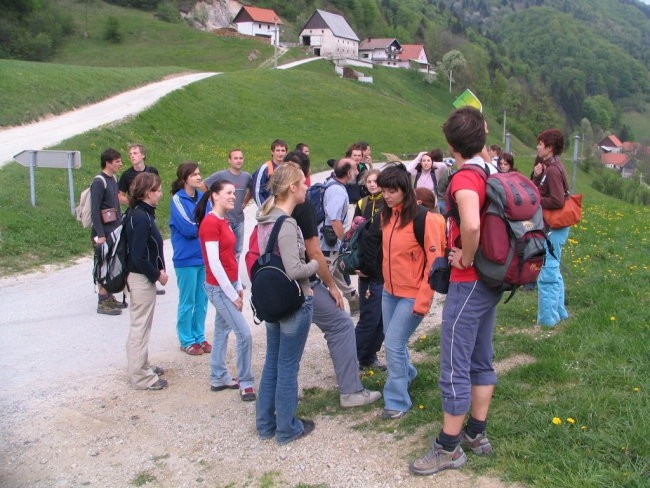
(290, 247)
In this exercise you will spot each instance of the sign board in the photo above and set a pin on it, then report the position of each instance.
(49, 159)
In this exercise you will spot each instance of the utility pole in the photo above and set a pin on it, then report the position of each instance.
(504, 127)
(275, 44)
(576, 143)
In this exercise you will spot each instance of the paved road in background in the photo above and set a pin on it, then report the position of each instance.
(54, 130)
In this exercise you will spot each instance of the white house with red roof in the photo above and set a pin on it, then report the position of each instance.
(413, 54)
(329, 35)
(259, 22)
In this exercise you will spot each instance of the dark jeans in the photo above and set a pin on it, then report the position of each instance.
(370, 328)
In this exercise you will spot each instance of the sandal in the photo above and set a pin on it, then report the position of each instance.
(207, 348)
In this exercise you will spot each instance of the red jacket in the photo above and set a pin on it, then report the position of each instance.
(405, 264)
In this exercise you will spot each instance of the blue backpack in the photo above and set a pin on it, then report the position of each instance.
(316, 193)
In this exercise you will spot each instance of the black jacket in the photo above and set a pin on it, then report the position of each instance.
(145, 244)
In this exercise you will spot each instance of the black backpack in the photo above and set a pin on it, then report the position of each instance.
(273, 294)
(349, 258)
(110, 270)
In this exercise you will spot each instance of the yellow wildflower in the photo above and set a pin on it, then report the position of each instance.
(557, 421)
(571, 420)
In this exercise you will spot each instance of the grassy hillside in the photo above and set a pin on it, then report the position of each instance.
(29, 90)
(150, 42)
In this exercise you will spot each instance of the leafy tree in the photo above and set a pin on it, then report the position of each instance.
(451, 61)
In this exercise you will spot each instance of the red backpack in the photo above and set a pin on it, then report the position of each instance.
(253, 252)
(511, 248)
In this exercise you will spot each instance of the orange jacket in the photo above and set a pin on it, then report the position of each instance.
(405, 264)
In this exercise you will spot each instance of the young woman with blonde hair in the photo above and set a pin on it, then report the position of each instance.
(285, 340)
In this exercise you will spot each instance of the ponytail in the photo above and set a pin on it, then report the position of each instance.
(183, 172)
(201, 207)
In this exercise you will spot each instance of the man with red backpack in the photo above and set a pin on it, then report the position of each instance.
(467, 377)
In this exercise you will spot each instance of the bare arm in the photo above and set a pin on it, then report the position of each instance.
(337, 225)
(470, 228)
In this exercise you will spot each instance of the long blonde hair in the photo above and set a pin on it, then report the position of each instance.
(283, 177)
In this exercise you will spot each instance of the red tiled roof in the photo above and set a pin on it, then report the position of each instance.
(610, 141)
(616, 159)
(411, 51)
(265, 15)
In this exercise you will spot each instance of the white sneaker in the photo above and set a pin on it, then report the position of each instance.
(360, 398)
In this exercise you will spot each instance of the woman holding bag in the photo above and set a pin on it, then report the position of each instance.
(285, 339)
(549, 175)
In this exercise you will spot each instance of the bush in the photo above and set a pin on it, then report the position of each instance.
(112, 32)
(610, 183)
(167, 11)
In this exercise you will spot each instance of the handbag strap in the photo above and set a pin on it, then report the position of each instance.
(270, 244)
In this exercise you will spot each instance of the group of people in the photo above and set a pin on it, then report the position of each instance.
(405, 231)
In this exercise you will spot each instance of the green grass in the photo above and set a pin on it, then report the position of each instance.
(150, 42)
(593, 368)
(29, 90)
(202, 122)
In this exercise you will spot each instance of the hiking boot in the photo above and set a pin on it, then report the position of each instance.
(106, 308)
(437, 459)
(479, 445)
(353, 303)
(113, 302)
(376, 365)
(387, 414)
(360, 398)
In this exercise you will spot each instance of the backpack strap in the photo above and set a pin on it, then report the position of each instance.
(269, 168)
(419, 223)
(452, 212)
(270, 244)
(417, 177)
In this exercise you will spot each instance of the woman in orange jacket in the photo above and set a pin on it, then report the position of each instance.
(406, 296)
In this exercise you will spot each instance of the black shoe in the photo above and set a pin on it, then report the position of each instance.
(158, 385)
(157, 370)
(160, 291)
(308, 427)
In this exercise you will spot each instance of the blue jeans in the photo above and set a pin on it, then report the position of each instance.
(370, 327)
(192, 305)
(550, 284)
(238, 230)
(277, 399)
(229, 318)
(399, 325)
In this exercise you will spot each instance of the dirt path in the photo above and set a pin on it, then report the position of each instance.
(54, 130)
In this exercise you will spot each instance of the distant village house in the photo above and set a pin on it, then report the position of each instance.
(329, 35)
(381, 51)
(259, 22)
